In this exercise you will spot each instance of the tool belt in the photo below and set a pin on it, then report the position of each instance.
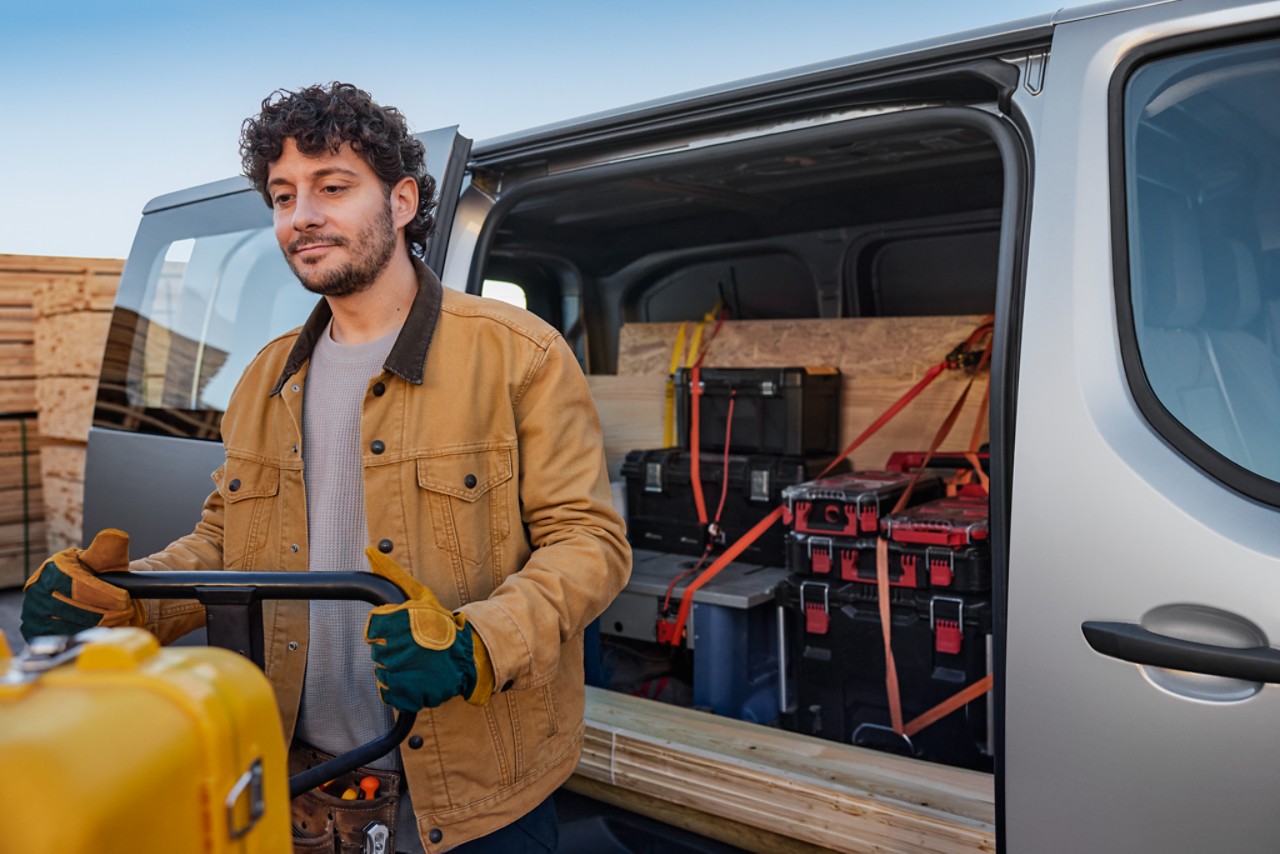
(323, 821)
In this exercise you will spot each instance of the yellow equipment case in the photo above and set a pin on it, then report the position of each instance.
(109, 743)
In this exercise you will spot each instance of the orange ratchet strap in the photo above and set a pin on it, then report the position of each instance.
(892, 689)
(686, 601)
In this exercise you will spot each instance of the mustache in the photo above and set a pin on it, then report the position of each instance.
(315, 240)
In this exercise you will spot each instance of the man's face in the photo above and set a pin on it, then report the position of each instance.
(332, 219)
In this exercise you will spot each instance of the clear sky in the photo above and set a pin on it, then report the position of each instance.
(110, 103)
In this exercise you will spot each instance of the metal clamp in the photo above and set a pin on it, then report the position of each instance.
(251, 780)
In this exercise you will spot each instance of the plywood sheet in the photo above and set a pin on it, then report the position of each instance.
(820, 792)
(70, 344)
(631, 414)
(900, 347)
(65, 407)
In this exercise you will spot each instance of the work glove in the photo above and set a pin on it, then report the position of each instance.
(423, 654)
(65, 595)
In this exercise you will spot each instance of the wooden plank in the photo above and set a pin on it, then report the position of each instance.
(62, 459)
(15, 569)
(16, 505)
(65, 406)
(19, 435)
(863, 346)
(17, 323)
(17, 359)
(631, 414)
(70, 344)
(17, 395)
(12, 470)
(734, 833)
(820, 792)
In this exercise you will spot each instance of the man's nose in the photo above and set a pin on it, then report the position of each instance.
(307, 213)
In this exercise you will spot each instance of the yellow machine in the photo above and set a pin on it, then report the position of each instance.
(109, 743)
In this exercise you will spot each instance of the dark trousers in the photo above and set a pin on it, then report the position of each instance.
(536, 832)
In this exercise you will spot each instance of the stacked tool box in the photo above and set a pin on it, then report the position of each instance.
(784, 430)
(939, 573)
(760, 430)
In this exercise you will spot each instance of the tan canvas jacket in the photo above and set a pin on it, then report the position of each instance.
(484, 478)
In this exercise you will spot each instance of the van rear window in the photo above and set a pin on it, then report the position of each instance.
(182, 336)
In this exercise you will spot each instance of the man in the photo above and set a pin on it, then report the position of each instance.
(449, 441)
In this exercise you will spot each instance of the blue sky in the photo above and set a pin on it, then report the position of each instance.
(111, 104)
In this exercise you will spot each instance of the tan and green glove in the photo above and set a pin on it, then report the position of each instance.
(65, 595)
(423, 654)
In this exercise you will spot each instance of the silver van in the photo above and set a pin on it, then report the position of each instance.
(1105, 180)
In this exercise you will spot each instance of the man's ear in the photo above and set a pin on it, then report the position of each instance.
(404, 201)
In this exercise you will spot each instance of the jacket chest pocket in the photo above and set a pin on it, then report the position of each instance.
(469, 496)
(248, 491)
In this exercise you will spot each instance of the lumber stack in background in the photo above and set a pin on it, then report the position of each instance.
(54, 316)
(22, 525)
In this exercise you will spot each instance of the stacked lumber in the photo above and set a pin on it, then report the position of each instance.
(769, 790)
(879, 358)
(68, 309)
(22, 526)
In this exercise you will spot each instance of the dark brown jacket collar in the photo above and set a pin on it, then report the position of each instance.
(408, 356)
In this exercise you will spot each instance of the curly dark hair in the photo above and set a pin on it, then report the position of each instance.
(323, 118)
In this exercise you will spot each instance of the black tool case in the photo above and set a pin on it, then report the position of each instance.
(947, 540)
(851, 504)
(837, 675)
(661, 514)
(792, 411)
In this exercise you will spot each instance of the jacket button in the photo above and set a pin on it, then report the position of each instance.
(385, 546)
(376, 446)
(435, 836)
(234, 485)
(470, 481)
(293, 646)
(415, 742)
(507, 687)
(379, 389)
(293, 547)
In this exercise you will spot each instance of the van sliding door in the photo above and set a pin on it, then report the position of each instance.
(1144, 569)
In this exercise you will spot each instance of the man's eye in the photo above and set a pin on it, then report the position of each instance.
(333, 189)
(281, 199)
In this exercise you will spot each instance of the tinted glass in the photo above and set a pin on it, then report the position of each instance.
(197, 303)
(1202, 158)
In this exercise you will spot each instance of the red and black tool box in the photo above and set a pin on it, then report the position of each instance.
(852, 560)
(837, 691)
(792, 411)
(851, 504)
(661, 514)
(947, 541)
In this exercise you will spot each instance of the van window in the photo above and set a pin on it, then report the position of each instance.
(208, 305)
(1202, 171)
(508, 292)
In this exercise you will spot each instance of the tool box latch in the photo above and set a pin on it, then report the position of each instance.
(817, 615)
(820, 555)
(948, 632)
(942, 567)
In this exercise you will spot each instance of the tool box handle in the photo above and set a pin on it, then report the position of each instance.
(233, 608)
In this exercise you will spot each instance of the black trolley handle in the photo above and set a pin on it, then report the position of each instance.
(233, 610)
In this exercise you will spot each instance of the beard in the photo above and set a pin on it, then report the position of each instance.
(371, 251)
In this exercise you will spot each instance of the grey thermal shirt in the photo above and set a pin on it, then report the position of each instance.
(341, 708)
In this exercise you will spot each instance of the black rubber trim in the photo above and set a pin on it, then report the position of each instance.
(259, 586)
(1131, 642)
(1186, 443)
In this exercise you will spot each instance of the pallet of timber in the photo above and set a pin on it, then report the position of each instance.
(777, 787)
(59, 284)
(70, 344)
(62, 478)
(22, 526)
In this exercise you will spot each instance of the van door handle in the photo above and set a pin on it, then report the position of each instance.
(1131, 642)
